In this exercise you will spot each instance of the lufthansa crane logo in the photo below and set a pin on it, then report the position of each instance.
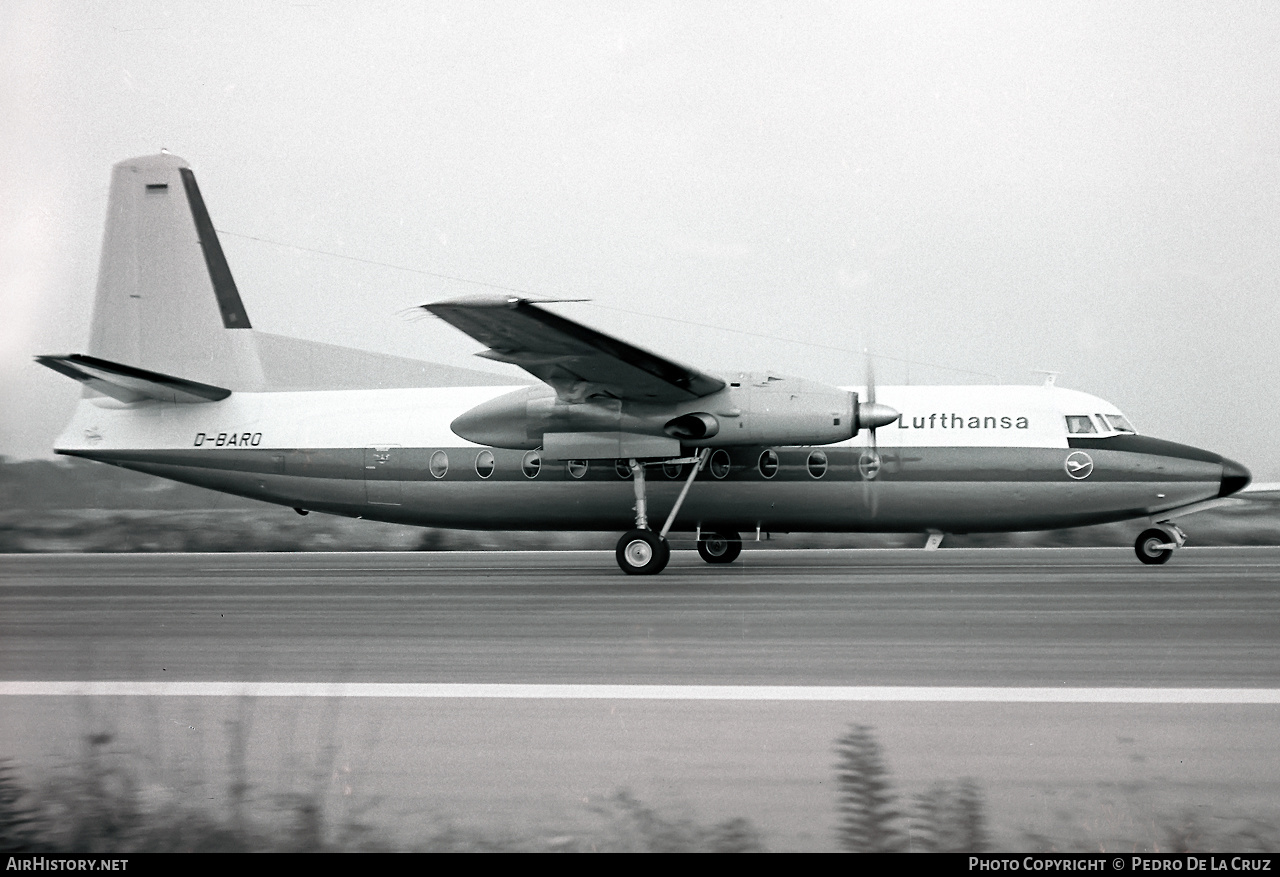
(1079, 465)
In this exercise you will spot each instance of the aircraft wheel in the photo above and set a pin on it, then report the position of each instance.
(643, 553)
(720, 547)
(1149, 546)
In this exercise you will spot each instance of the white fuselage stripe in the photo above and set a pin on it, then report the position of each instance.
(964, 416)
(532, 691)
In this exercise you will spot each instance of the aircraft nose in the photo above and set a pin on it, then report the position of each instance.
(1234, 477)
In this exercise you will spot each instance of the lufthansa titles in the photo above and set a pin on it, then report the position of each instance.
(951, 420)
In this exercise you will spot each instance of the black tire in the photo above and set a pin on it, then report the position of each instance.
(642, 553)
(1148, 546)
(720, 547)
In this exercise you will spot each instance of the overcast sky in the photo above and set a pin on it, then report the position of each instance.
(994, 188)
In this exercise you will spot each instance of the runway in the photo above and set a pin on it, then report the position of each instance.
(1095, 701)
(975, 617)
(756, 693)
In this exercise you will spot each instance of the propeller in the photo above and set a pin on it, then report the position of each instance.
(871, 416)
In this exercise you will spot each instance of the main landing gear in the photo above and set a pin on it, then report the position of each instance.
(720, 547)
(642, 552)
(1157, 544)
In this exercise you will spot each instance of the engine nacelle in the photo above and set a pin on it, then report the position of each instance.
(521, 418)
(754, 409)
(692, 427)
(767, 409)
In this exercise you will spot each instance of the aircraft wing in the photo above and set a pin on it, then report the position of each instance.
(577, 361)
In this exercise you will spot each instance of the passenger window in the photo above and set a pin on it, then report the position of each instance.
(623, 468)
(769, 464)
(672, 470)
(577, 468)
(532, 464)
(818, 464)
(439, 464)
(1079, 424)
(484, 464)
(720, 464)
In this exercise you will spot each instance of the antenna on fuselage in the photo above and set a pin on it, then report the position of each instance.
(1050, 378)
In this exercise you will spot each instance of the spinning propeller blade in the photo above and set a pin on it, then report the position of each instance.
(871, 416)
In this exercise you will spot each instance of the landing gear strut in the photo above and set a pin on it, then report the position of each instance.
(642, 552)
(1157, 544)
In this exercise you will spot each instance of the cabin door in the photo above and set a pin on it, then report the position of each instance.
(382, 467)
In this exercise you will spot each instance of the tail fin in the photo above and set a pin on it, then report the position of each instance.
(168, 322)
(166, 301)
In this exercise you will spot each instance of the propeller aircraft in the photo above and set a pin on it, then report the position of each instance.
(612, 437)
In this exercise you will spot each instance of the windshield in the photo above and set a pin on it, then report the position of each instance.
(1079, 424)
(1120, 423)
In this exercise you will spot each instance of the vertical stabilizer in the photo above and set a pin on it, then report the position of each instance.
(166, 300)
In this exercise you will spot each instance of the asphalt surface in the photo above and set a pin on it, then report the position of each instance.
(1079, 776)
(1033, 617)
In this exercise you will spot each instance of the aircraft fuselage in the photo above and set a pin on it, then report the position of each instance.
(960, 459)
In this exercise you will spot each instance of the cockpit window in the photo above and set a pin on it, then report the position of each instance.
(1120, 423)
(1079, 424)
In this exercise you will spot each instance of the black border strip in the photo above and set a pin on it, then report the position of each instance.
(224, 285)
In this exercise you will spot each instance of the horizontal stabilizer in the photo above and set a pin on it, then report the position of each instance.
(128, 384)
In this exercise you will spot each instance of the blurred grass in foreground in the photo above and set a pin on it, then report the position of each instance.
(951, 817)
(100, 807)
(100, 804)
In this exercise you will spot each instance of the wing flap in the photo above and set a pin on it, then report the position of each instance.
(128, 384)
(577, 361)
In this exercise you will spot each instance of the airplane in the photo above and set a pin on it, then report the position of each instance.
(612, 437)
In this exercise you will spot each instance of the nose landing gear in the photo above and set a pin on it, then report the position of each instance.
(1157, 544)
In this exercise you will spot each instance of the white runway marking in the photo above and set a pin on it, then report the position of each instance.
(899, 694)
